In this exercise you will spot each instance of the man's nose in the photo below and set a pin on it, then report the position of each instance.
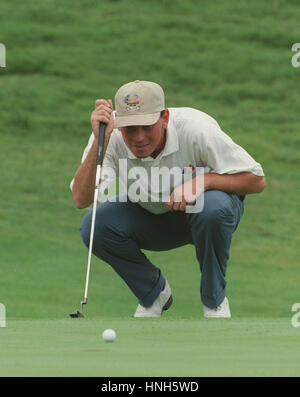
(139, 135)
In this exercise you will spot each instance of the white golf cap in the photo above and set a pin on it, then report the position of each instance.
(138, 103)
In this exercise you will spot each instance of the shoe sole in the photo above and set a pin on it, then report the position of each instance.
(168, 304)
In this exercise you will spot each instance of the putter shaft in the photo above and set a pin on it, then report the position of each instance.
(100, 155)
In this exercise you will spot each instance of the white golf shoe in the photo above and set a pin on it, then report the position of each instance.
(163, 302)
(222, 311)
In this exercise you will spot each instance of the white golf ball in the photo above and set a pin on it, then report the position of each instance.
(109, 335)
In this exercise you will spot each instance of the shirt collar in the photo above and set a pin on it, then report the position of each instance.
(171, 145)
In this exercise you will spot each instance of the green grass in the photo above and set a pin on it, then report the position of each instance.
(231, 60)
(176, 347)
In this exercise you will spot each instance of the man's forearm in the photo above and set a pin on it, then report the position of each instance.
(85, 177)
(241, 183)
(84, 180)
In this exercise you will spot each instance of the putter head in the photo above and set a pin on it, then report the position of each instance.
(83, 303)
(76, 314)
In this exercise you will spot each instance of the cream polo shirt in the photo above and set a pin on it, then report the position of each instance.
(193, 139)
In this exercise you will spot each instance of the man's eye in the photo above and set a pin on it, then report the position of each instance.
(130, 129)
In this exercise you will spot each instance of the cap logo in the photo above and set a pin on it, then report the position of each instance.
(132, 101)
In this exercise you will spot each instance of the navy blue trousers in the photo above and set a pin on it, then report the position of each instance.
(123, 230)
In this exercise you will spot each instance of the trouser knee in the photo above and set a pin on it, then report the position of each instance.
(216, 212)
(85, 229)
(106, 240)
(99, 233)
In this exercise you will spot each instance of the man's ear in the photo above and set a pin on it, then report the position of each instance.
(166, 118)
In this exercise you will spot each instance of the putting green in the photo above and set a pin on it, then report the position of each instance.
(150, 347)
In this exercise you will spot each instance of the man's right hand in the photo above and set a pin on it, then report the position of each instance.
(103, 112)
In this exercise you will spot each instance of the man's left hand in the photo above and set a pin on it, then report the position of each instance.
(186, 194)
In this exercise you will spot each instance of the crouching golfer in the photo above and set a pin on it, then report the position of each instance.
(141, 136)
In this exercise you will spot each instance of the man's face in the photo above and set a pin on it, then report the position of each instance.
(145, 141)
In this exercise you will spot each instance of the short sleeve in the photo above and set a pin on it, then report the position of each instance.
(223, 156)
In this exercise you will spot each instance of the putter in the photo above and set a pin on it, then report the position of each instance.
(102, 127)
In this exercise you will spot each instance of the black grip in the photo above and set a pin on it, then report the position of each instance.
(102, 129)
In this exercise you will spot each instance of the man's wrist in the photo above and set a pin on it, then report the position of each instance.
(207, 182)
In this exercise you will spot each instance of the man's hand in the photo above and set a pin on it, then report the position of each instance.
(103, 112)
(186, 194)
(240, 183)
